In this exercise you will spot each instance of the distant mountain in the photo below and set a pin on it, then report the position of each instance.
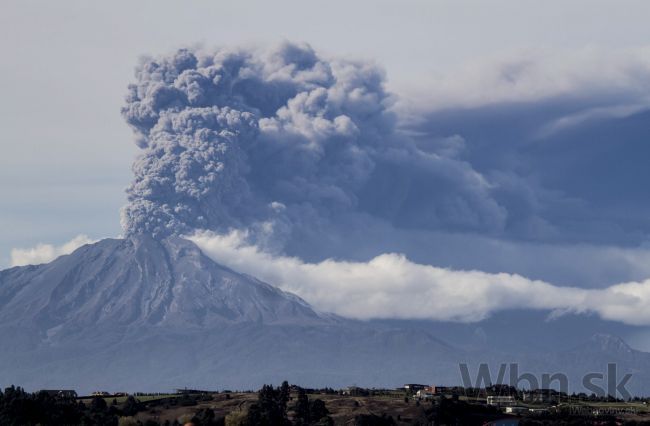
(143, 314)
(147, 314)
(139, 282)
(612, 345)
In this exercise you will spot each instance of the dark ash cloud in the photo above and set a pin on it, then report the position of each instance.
(238, 138)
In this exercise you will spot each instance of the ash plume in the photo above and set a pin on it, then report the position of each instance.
(234, 138)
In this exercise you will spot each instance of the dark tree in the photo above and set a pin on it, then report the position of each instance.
(131, 406)
(301, 408)
(98, 405)
(270, 409)
(18, 407)
(285, 391)
(318, 410)
(309, 412)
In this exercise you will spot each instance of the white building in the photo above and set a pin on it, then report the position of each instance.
(500, 400)
(423, 394)
(516, 410)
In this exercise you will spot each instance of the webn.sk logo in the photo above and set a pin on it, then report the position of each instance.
(600, 384)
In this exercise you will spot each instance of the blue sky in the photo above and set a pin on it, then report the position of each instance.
(546, 101)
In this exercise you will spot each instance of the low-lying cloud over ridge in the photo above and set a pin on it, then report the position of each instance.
(391, 286)
(44, 253)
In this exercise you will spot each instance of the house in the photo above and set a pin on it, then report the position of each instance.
(414, 387)
(516, 410)
(499, 400)
(100, 393)
(424, 394)
(440, 390)
(355, 391)
(60, 393)
(542, 396)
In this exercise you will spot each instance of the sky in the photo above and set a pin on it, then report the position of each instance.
(514, 132)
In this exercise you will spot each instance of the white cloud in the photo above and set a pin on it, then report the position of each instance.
(597, 113)
(533, 75)
(391, 286)
(44, 253)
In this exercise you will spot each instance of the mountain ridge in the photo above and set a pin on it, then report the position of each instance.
(145, 314)
(143, 280)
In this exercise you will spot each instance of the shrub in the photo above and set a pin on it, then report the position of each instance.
(236, 418)
(127, 421)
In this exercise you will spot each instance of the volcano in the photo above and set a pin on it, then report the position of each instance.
(155, 314)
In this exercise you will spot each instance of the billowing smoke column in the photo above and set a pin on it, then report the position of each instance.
(234, 138)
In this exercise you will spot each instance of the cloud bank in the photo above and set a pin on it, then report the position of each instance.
(391, 286)
(616, 76)
(44, 253)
